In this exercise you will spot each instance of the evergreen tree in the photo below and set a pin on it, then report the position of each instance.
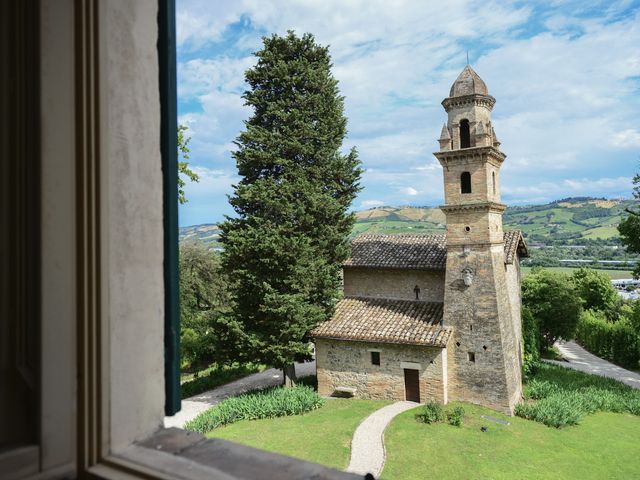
(629, 227)
(204, 307)
(284, 248)
(183, 165)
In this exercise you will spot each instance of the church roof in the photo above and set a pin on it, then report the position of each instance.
(386, 321)
(468, 83)
(418, 252)
(399, 251)
(514, 245)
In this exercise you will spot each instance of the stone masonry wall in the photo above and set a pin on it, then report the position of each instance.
(515, 299)
(484, 366)
(394, 283)
(348, 364)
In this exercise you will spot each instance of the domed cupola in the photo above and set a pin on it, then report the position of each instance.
(468, 83)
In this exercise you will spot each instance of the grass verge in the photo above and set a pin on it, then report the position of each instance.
(321, 436)
(604, 446)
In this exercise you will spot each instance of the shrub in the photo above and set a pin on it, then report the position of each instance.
(617, 342)
(455, 416)
(558, 397)
(269, 403)
(597, 292)
(553, 301)
(432, 412)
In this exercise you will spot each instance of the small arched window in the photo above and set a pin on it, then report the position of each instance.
(465, 135)
(493, 178)
(465, 182)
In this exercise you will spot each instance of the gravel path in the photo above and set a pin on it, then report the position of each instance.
(367, 445)
(193, 406)
(579, 359)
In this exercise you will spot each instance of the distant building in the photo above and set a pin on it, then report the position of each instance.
(436, 317)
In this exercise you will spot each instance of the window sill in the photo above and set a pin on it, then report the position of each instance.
(174, 453)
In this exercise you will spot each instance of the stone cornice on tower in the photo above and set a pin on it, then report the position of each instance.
(475, 99)
(488, 154)
(476, 206)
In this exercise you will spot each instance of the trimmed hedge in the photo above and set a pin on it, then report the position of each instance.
(269, 403)
(617, 342)
(558, 396)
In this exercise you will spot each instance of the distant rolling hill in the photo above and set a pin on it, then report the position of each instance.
(207, 233)
(566, 221)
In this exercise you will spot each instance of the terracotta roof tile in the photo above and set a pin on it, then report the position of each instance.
(399, 251)
(514, 245)
(416, 251)
(386, 321)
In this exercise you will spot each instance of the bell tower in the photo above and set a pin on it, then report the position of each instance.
(485, 354)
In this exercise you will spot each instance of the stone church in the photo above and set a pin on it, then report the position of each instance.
(436, 317)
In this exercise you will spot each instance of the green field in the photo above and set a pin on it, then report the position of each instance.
(321, 436)
(564, 221)
(603, 446)
(614, 274)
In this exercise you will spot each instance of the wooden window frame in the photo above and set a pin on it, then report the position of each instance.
(95, 422)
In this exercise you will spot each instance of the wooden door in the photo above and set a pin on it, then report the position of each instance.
(412, 385)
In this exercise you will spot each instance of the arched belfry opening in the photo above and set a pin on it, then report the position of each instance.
(465, 182)
(465, 134)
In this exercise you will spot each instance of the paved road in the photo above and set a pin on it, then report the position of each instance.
(367, 445)
(579, 359)
(193, 406)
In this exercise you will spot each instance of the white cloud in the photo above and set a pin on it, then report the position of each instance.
(616, 186)
(409, 191)
(566, 96)
(199, 76)
(199, 22)
(627, 138)
(429, 166)
(371, 203)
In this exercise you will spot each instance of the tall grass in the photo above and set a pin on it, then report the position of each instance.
(558, 396)
(269, 403)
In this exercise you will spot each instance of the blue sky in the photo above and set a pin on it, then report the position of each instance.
(566, 76)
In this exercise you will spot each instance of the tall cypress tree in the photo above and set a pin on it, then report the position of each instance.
(284, 248)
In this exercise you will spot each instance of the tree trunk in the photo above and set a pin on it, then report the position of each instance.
(289, 375)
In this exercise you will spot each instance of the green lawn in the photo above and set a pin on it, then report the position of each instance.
(604, 445)
(322, 436)
(614, 274)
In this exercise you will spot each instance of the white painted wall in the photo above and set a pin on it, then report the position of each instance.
(132, 218)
